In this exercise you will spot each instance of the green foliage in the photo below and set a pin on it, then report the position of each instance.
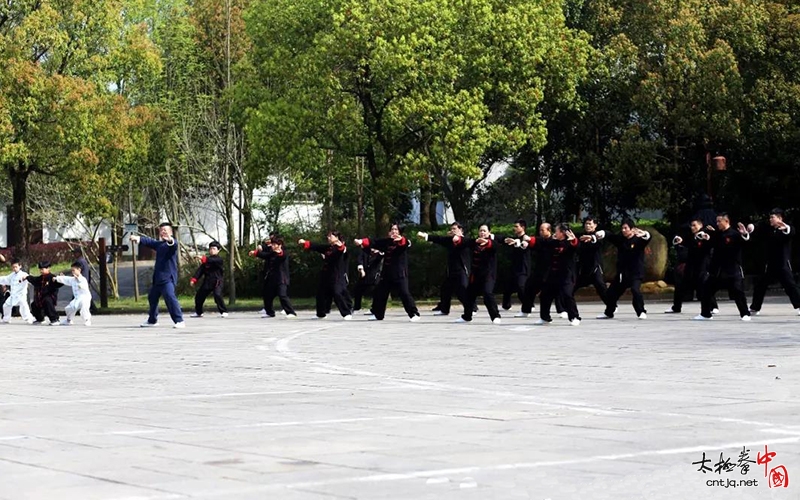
(416, 86)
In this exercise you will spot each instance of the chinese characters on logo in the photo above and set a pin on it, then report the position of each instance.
(777, 476)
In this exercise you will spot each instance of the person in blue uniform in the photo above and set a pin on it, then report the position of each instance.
(165, 275)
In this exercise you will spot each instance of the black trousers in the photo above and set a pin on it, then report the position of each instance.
(618, 287)
(533, 287)
(46, 308)
(480, 286)
(280, 290)
(203, 292)
(735, 287)
(399, 287)
(515, 283)
(689, 283)
(362, 288)
(594, 278)
(559, 288)
(454, 284)
(333, 291)
(772, 274)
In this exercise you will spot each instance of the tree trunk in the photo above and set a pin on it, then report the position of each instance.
(425, 203)
(380, 201)
(20, 234)
(459, 197)
(247, 217)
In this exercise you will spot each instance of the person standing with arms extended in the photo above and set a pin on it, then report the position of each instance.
(458, 266)
(395, 272)
(165, 275)
(212, 268)
(726, 266)
(779, 265)
(630, 244)
(333, 275)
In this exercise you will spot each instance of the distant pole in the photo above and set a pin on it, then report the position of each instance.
(103, 274)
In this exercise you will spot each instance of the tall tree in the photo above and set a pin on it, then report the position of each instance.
(414, 86)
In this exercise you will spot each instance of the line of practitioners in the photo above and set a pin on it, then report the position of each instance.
(565, 262)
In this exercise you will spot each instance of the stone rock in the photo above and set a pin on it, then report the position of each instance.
(655, 258)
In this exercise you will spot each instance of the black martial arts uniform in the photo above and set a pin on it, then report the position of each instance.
(371, 261)
(726, 270)
(630, 272)
(211, 270)
(458, 267)
(778, 268)
(332, 279)
(482, 277)
(394, 276)
(45, 297)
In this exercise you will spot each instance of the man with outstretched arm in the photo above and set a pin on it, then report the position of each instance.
(726, 266)
(165, 275)
(779, 265)
(458, 266)
(630, 244)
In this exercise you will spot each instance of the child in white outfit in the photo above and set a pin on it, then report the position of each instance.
(82, 296)
(19, 293)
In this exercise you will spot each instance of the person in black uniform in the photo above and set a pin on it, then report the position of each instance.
(779, 265)
(458, 265)
(333, 279)
(395, 272)
(370, 263)
(590, 259)
(212, 268)
(483, 274)
(726, 266)
(560, 278)
(276, 276)
(692, 271)
(520, 265)
(542, 255)
(45, 295)
(630, 244)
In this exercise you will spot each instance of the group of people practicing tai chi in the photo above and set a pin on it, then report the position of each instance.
(553, 264)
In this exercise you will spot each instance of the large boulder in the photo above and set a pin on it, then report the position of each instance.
(655, 258)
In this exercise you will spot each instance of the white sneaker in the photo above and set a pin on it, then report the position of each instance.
(575, 322)
(225, 315)
(522, 315)
(316, 317)
(265, 315)
(179, 325)
(6, 320)
(143, 325)
(66, 322)
(540, 322)
(603, 316)
(616, 309)
(283, 312)
(533, 309)
(440, 313)
(262, 312)
(755, 313)
(348, 317)
(372, 317)
(291, 316)
(460, 320)
(715, 311)
(564, 315)
(700, 317)
(88, 322)
(496, 321)
(368, 313)
(671, 311)
(29, 321)
(53, 323)
(798, 311)
(195, 315)
(746, 318)
(643, 316)
(414, 319)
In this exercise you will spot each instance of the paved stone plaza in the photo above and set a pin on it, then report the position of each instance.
(245, 408)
